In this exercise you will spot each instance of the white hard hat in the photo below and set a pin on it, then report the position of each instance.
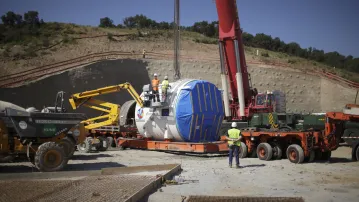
(234, 124)
(155, 74)
(166, 77)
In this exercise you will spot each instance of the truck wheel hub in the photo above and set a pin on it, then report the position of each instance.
(52, 159)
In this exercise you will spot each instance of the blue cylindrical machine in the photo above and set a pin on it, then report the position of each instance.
(192, 112)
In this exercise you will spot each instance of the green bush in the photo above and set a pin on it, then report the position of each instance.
(265, 54)
(45, 42)
(206, 40)
(110, 37)
(68, 40)
(290, 61)
(69, 31)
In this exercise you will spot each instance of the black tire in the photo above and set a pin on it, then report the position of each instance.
(243, 151)
(69, 146)
(326, 156)
(356, 154)
(50, 157)
(103, 141)
(311, 156)
(318, 155)
(295, 153)
(85, 146)
(277, 151)
(111, 141)
(253, 154)
(264, 151)
(121, 148)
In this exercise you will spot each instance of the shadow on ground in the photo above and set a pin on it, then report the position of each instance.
(335, 160)
(91, 166)
(196, 154)
(89, 157)
(253, 165)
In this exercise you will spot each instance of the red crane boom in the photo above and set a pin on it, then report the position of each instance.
(234, 67)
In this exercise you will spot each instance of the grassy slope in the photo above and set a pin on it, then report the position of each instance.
(53, 37)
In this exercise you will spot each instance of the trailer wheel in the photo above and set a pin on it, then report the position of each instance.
(69, 146)
(50, 157)
(111, 141)
(253, 154)
(318, 155)
(311, 156)
(122, 148)
(326, 155)
(277, 151)
(103, 146)
(243, 150)
(264, 151)
(85, 146)
(356, 154)
(295, 153)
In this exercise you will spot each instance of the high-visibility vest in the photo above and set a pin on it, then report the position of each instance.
(165, 85)
(234, 133)
(155, 83)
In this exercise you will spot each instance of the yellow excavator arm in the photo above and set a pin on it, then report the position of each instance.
(111, 110)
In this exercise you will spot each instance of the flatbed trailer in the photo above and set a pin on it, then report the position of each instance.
(267, 145)
(297, 146)
(185, 147)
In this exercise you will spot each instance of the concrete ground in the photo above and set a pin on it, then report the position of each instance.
(336, 180)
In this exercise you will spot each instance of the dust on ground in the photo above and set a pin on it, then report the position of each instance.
(336, 180)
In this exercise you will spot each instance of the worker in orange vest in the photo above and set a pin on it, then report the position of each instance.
(155, 85)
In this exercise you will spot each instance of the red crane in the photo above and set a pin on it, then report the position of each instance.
(245, 100)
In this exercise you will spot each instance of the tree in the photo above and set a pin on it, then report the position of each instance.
(317, 55)
(32, 18)
(164, 25)
(353, 65)
(293, 49)
(276, 44)
(106, 22)
(120, 26)
(129, 22)
(11, 19)
(334, 59)
(247, 39)
(262, 40)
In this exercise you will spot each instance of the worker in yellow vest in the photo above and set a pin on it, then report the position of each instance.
(165, 85)
(233, 137)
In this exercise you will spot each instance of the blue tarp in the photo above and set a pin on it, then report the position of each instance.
(199, 112)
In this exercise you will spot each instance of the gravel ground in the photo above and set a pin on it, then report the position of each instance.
(336, 180)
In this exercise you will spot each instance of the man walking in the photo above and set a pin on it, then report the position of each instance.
(233, 137)
(155, 84)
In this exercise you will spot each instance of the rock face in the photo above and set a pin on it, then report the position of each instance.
(42, 93)
(304, 93)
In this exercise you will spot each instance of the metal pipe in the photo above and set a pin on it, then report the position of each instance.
(224, 82)
(239, 79)
(176, 40)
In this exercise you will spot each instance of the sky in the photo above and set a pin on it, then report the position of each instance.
(330, 25)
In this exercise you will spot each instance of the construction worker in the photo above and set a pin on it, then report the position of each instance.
(233, 137)
(155, 84)
(165, 86)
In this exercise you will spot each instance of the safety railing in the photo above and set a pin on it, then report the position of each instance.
(16, 79)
